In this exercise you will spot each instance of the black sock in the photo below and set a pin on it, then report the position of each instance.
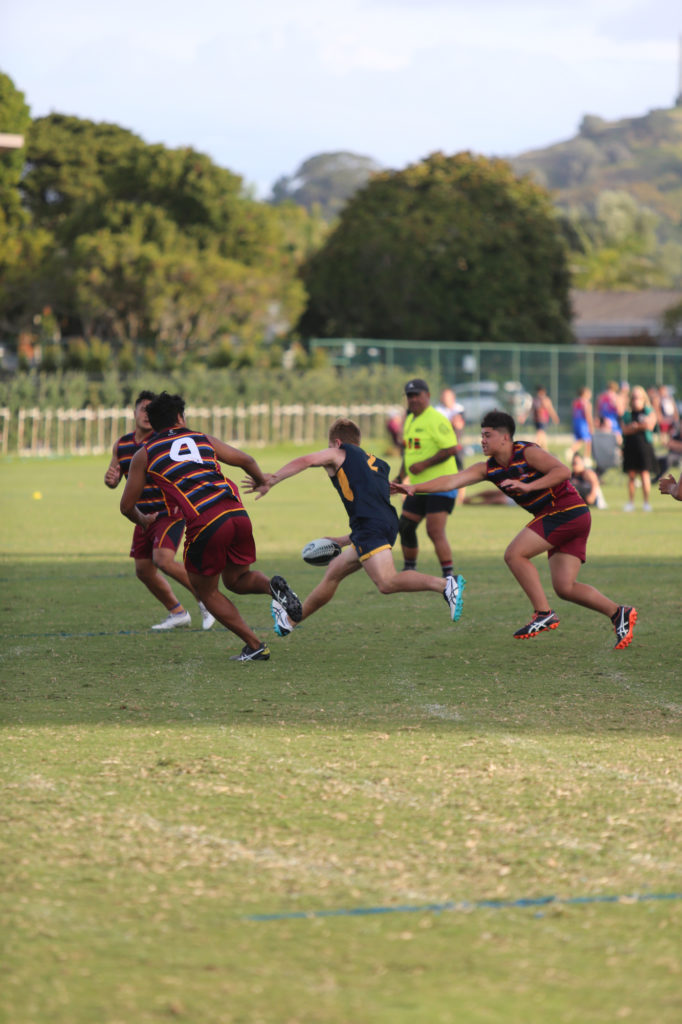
(410, 563)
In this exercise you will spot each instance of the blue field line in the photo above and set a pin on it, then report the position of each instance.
(465, 905)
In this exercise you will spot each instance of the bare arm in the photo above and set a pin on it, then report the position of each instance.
(137, 477)
(434, 460)
(236, 457)
(329, 458)
(113, 473)
(471, 475)
(553, 472)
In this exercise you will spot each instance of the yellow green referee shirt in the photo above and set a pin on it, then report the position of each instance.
(423, 436)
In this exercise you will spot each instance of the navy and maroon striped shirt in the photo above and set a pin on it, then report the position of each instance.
(185, 466)
(538, 503)
(152, 499)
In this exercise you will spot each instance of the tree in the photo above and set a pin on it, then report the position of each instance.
(615, 246)
(326, 182)
(15, 118)
(450, 248)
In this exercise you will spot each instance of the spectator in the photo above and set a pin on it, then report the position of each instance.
(639, 458)
(610, 407)
(583, 424)
(543, 411)
(586, 483)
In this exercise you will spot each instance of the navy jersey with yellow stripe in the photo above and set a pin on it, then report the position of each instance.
(185, 466)
(562, 496)
(152, 499)
(363, 485)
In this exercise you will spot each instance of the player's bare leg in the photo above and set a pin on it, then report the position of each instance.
(343, 565)
(164, 559)
(157, 584)
(382, 571)
(527, 545)
(564, 570)
(436, 523)
(206, 589)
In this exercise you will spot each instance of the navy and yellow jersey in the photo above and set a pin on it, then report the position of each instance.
(538, 503)
(362, 483)
(183, 463)
(152, 499)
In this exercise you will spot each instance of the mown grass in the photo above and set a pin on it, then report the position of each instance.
(158, 798)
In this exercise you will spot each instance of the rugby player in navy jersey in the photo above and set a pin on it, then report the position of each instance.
(362, 483)
(154, 548)
(538, 482)
(184, 464)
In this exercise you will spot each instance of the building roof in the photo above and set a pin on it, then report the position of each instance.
(621, 314)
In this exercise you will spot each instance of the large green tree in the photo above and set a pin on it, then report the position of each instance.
(452, 248)
(142, 243)
(15, 119)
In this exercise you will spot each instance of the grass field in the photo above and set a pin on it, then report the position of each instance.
(362, 829)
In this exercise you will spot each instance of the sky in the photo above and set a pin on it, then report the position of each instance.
(261, 85)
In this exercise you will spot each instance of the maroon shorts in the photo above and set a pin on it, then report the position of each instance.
(226, 539)
(164, 532)
(566, 529)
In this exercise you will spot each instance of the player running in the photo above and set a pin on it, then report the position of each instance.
(560, 526)
(183, 463)
(154, 548)
(361, 481)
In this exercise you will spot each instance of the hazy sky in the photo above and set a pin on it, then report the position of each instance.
(260, 85)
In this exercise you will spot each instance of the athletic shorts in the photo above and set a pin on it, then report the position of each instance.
(368, 538)
(581, 430)
(227, 539)
(163, 533)
(423, 504)
(567, 529)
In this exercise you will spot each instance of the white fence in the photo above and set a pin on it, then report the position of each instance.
(36, 432)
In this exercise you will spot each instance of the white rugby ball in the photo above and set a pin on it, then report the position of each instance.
(320, 551)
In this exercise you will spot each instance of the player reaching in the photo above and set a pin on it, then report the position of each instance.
(560, 526)
(361, 481)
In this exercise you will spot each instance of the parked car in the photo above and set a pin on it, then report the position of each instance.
(482, 396)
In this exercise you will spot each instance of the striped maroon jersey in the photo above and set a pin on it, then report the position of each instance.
(553, 499)
(152, 499)
(183, 463)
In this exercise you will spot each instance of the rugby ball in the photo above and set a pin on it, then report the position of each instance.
(320, 551)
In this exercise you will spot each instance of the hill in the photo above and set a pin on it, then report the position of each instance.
(639, 155)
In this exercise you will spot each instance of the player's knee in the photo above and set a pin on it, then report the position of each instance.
(563, 589)
(407, 528)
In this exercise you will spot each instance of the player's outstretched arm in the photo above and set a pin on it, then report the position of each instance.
(236, 457)
(329, 458)
(452, 481)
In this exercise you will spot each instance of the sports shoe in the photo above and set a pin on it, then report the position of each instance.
(624, 622)
(647, 507)
(284, 595)
(283, 624)
(247, 653)
(538, 624)
(453, 594)
(207, 619)
(179, 619)
(629, 507)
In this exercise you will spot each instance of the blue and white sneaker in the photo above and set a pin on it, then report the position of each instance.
(284, 595)
(283, 624)
(453, 594)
